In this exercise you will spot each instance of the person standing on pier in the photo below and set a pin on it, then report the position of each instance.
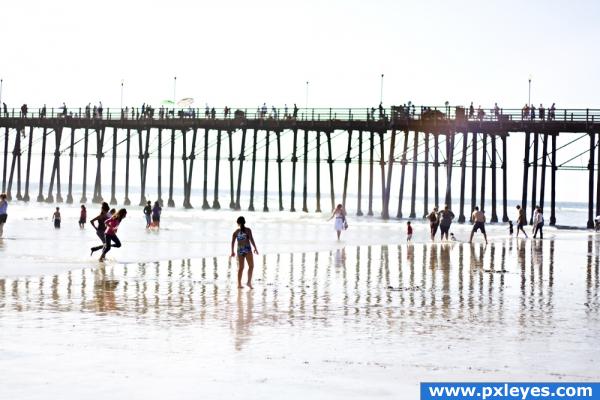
(111, 232)
(521, 221)
(245, 242)
(532, 112)
(295, 111)
(5, 109)
(542, 112)
(101, 228)
(56, 218)
(3, 214)
(478, 218)
(434, 222)
(525, 112)
(496, 111)
(82, 217)
(445, 217)
(64, 110)
(471, 111)
(340, 220)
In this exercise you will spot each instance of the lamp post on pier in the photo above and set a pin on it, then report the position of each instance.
(306, 99)
(1, 82)
(529, 97)
(381, 91)
(174, 90)
(122, 81)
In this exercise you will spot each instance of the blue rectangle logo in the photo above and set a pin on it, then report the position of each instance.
(509, 391)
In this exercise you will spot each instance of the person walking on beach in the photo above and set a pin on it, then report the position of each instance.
(82, 216)
(434, 222)
(3, 214)
(56, 218)
(478, 218)
(156, 211)
(445, 217)
(538, 223)
(148, 213)
(521, 221)
(101, 227)
(112, 225)
(340, 220)
(409, 232)
(245, 242)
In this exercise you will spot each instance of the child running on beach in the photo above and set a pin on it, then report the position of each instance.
(244, 239)
(56, 218)
(101, 228)
(111, 232)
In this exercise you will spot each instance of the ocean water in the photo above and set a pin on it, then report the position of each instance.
(35, 246)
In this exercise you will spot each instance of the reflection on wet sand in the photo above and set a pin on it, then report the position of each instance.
(392, 288)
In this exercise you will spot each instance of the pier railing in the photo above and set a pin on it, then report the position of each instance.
(405, 112)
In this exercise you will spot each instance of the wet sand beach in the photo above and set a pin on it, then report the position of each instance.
(368, 320)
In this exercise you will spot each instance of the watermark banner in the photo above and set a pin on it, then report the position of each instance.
(509, 391)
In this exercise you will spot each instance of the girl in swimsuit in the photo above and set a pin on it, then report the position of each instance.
(112, 225)
(244, 239)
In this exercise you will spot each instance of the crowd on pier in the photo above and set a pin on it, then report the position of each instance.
(529, 112)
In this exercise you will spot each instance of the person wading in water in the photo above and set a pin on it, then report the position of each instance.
(244, 239)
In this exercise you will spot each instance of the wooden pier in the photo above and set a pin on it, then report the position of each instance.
(396, 139)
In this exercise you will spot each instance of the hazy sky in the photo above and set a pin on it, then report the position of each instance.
(244, 53)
